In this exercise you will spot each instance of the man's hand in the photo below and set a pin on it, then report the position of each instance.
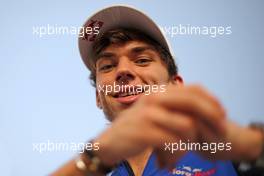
(182, 113)
(164, 117)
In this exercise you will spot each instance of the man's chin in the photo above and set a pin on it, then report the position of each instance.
(111, 116)
(117, 105)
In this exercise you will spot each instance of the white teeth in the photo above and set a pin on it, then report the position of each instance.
(124, 94)
(131, 93)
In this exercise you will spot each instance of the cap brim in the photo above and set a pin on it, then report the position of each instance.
(115, 17)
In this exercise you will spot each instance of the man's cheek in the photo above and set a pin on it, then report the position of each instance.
(108, 102)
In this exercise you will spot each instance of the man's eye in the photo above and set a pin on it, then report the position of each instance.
(106, 68)
(143, 61)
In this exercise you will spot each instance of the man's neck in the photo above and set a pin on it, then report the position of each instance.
(139, 161)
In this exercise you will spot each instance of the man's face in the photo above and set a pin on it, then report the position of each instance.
(133, 63)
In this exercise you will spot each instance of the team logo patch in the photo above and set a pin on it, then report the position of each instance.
(91, 30)
(188, 171)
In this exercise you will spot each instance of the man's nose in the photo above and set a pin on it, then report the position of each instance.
(125, 72)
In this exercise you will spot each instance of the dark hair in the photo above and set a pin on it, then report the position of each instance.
(123, 35)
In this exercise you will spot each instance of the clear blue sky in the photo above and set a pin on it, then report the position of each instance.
(45, 93)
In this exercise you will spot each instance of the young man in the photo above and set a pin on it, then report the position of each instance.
(158, 125)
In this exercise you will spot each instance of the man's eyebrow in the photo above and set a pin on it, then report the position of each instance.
(140, 49)
(105, 55)
(134, 50)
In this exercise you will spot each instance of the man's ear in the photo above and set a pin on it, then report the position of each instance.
(177, 79)
(98, 102)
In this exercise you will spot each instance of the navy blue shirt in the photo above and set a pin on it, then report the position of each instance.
(189, 165)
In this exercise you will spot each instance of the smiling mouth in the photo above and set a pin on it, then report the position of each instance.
(127, 94)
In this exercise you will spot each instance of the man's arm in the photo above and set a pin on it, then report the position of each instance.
(187, 113)
(254, 165)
